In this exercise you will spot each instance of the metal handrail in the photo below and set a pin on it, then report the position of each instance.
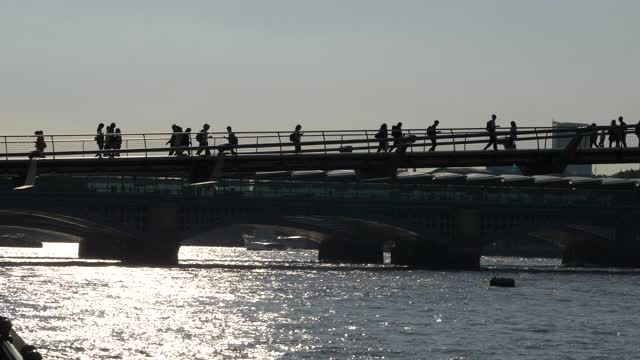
(307, 132)
(328, 137)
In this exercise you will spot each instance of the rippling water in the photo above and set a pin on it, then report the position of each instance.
(231, 303)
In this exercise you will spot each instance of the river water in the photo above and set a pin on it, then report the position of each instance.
(228, 303)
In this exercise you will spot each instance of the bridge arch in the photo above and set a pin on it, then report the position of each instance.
(341, 238)
(98, 241)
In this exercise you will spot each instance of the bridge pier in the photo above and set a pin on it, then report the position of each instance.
(351, 251)
(460, 252)
(159, 244)
(100, 248)
(152, 250)
(621, 251)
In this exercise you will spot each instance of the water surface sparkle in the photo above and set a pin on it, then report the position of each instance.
(231, 303)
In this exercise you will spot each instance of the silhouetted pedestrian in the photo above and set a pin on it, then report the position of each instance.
(491, 128)
(117, 142)
(593, 136)
(232, 140)
(396, 134)
(603, 137)
(40, 145)
(295, 136)
(108, 140)
(432, 133)
(383, 138)
(186, 140)
(203, 140)
(99, 139)
(175, 140)
(513, 136)
(614, 134)
(622, 131)
(181, 141)
(638, 131)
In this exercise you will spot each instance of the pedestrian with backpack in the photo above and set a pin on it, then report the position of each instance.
(40, 145)
(491, 128)
(232, 140)
(432, 133)
(396, 134)
(383, 138)
(203, 140)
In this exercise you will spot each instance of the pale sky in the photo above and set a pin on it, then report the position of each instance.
(261, 65)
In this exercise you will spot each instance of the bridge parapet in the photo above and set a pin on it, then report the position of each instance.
(67, 146)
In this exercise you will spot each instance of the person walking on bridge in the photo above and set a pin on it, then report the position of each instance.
(593, 136)
(622, 131)
(175, 139)
(203, 140)
(100, 139)
(614, 134)
(295, 136)
(432, 133)
(638, 131)
(396, 133)
(40, 145)
(513, 136)
(182, 141)
(117, 142)
(232, 140)
(603, 137)
(383, 138)
(109, 139)
(491, 128)
(186, 140)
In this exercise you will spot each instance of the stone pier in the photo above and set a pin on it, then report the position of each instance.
(158, 244)
(460, 251)
(101, 247)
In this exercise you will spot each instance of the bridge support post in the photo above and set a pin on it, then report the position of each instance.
(460, 252)
(160, 243)
(466, 244)
(100, 248)
(351, 251)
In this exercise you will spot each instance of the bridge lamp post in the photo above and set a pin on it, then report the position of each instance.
(29, 179)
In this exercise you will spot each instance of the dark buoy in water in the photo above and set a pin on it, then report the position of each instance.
(502, 282)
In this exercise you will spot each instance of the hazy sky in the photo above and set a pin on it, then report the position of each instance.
(258, 65)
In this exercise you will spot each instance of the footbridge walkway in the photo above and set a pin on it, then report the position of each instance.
(147, 154)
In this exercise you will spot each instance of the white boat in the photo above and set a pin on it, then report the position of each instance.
(266, 240)
(262, 240)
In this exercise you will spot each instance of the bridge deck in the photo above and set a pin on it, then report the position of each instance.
(251, 163)
(146, 154)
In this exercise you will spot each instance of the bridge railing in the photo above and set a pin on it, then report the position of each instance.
(278, 142)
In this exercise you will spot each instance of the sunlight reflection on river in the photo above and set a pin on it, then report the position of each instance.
(208, 309)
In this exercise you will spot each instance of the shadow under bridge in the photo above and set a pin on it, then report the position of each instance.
(342, 239)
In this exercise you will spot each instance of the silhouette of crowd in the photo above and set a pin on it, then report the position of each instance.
(109, 139)
(616, 133)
